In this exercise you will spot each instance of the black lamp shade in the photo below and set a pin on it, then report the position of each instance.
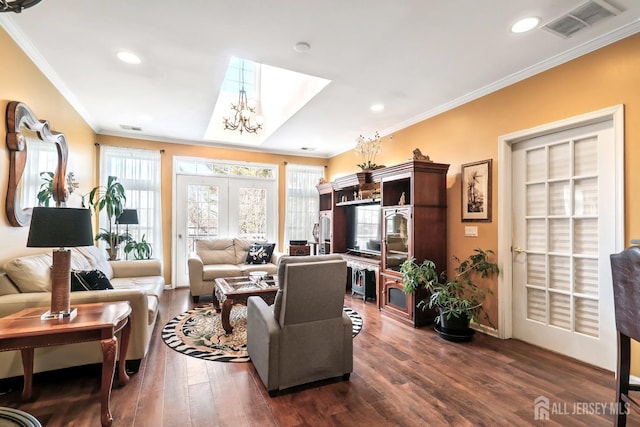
(128, 216)
(60, 227)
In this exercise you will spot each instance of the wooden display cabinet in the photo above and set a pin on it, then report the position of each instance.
(325, 232)
(413, 201)
(414, 206)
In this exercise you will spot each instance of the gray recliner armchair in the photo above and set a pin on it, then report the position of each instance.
(305, 336)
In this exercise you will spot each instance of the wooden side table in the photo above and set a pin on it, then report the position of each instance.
(25, 331)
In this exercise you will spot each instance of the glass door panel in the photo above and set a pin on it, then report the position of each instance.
(396, 238)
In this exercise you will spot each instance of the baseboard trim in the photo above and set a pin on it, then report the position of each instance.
(485, 329)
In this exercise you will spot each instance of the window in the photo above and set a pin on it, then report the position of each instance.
(232, 80)
(302, 201)
(139, 173)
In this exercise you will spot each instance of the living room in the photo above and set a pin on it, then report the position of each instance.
(600, 79)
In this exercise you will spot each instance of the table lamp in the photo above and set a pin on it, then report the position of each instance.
(128, 216)
(60, 228)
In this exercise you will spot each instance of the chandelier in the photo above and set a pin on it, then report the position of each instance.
(243, 111)
(16, 6)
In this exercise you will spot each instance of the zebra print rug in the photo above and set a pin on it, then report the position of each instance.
(198, 333)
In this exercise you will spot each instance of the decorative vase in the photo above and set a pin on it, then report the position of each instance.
(316, 232)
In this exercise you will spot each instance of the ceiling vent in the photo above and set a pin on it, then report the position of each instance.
(129, 127)
(583, 16)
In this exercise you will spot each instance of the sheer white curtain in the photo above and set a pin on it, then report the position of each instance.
(301, 201)
(139, 173)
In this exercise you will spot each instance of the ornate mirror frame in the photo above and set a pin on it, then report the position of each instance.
(20, 116)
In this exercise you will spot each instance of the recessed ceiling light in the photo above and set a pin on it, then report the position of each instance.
(128, 57)
(377, 107)
(302, 47)
(526, 24)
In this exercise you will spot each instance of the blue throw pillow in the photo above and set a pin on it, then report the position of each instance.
(260, 253)
(91, 280)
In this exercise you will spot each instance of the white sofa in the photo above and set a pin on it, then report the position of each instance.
(26, 282)
(216, 258)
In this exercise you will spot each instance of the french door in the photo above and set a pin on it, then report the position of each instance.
(563, 208)
(217, 207)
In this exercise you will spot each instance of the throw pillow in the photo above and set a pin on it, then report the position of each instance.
(91, 280)
(260, 253)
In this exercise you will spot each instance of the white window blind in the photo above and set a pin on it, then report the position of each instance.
(138, 171)
(302, 201)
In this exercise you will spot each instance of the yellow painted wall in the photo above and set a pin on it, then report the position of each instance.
(172, 150)
(20, 80)
(469, 133)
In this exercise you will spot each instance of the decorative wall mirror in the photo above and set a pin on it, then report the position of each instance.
(33, 149)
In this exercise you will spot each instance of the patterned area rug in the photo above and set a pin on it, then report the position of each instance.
(198, 333)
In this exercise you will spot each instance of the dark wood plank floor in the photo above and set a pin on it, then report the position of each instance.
(402, 377)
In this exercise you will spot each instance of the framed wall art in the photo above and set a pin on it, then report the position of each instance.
(476, 191)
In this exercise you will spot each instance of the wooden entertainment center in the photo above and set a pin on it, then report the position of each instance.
(410, 202)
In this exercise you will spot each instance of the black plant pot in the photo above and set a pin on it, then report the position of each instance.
(455, 328)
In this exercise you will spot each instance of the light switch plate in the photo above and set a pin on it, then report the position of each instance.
(470, 231)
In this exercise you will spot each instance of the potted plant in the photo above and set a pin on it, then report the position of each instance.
(458, 299)
(141, 249)
(111, 198)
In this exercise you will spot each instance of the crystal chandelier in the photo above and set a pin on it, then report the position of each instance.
(16, 6)
(243, 112)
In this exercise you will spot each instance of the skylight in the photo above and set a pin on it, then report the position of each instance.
(231, 83)
(276, 93)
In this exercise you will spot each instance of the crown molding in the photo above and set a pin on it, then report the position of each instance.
(573, 53)
(45, 68)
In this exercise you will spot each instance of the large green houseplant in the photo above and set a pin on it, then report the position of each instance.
(112, 199)
(458, 298)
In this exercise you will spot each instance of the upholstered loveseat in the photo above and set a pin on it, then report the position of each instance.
(26, 282)
(216, 258)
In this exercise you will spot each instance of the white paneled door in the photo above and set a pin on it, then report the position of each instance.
(563, 199)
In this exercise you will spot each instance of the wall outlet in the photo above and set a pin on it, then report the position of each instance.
(470, 231)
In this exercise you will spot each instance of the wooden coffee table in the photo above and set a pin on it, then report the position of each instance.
(25, 331)
(236, 290)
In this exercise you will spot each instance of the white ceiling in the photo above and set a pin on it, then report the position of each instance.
(417, 57)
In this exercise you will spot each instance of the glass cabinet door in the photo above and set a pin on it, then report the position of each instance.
(396, 238)
(325, 233)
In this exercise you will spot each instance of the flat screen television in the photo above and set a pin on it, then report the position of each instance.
(363, 231)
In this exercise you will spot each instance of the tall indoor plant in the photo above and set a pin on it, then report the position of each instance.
(458, 298)
(111, 198)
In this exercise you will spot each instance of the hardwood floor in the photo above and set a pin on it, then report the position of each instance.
(402, 377)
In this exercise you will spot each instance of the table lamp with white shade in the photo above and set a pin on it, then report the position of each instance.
(60, 228)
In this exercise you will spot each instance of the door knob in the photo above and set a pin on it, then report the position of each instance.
(519, 250)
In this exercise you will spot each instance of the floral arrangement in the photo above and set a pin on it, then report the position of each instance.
(367, 150)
